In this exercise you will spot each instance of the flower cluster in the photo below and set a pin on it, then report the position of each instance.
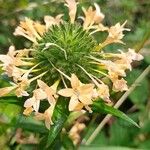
(62, 54)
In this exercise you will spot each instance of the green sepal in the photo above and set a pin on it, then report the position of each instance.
(100, 106)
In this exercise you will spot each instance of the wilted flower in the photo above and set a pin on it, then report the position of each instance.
(62, 53)
(75, 131)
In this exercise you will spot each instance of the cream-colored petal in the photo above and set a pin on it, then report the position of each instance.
(39, 94)
(73, 103)
(42, 85)
(49, 20)
(99, 16)
(29, 102)
(72, 5)
(86, 88)
(6, 90)
(133, 55)
(6, 59)
(68, 92)
(36, 105)
(86, 99)
(74, 81)
(47, 122)
(39, 116)
(120, 85)
(79, 107)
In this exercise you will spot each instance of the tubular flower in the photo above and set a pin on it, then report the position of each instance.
(115, 34)
(66, 62)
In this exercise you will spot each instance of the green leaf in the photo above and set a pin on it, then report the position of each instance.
(100, 107)
(106, 148)
(12, 100)
(67, 142)
(30, 124)
(60, 116)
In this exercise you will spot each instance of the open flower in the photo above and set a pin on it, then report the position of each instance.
(42, 93)
(30, 30)
(49, 20)
(92, 17)
(47, 116)
(120, 85)
(79, 93)
(115, 34)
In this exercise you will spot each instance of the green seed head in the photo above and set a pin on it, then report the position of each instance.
(65, 47)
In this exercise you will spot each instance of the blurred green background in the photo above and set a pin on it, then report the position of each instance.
(116, 133)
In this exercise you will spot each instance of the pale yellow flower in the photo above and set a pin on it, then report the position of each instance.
(28, 29)
(74, 132)
(92, 17)
(115, 34)
(133, 55)
(72, 5)
(49, 20)
(21, 88)
(34, 102)
(14, 72)
(120, 85)
(103, 92)
(99, 16)
(47, 116)
(125, 59)
(113, 68)
(50, 91)
(97, 28)
(79, 93)
(10, 62)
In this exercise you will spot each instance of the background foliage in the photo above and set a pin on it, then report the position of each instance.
(137, 106)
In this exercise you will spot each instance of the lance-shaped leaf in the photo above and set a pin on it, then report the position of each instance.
(67, 142)
(60, 116)
(30, 124)
(101, 107)
(12, 100)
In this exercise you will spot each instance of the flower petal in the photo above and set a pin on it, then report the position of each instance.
(73, 103)
(36, 105)
(72, 5)
(29, 102)
(74, 81)
(68, 92)
(6, 90)
(86, 99)
(86, 88)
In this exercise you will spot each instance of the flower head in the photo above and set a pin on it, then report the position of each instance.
(62, 52)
